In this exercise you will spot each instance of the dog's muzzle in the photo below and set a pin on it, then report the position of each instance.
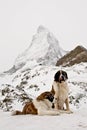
(62, 78)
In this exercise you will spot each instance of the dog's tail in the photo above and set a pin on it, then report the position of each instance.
(16, 113)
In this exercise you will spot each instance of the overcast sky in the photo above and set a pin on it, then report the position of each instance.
(19, 20)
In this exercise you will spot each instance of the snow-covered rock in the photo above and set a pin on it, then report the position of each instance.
(44, 49)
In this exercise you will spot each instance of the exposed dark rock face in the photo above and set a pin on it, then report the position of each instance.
(76, 56)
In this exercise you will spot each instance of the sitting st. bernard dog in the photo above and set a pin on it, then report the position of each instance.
(60, 90)
(42, 105)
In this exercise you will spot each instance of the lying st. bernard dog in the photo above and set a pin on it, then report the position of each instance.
(60, 90)
(42, 105)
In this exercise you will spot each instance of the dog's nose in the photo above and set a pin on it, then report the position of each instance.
(61, 77)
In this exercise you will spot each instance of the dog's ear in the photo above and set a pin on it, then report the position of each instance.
(56, 77)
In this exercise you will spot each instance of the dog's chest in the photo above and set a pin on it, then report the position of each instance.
(61, 91)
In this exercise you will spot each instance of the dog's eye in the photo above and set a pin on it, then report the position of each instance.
(64, 74)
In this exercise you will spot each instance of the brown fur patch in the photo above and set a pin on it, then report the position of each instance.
(29, 108)
(43, 96)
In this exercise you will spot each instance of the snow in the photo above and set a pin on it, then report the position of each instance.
(42, 76)
(75, 121)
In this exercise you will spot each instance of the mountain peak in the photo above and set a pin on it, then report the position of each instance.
(43, 50)
(41, 29)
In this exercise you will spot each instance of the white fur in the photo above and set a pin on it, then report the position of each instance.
(44, 107)
(61, 92)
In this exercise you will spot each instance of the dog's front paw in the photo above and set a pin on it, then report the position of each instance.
(57, 112)
(69, 111)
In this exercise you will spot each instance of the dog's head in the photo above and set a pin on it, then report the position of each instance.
(46, 95)
(60, 76)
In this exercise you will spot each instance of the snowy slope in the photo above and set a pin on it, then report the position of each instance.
(29, 83)
(40, 79)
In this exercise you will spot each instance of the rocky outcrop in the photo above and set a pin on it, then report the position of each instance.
(76, 56)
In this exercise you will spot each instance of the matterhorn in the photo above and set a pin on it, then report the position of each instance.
(43, 50)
